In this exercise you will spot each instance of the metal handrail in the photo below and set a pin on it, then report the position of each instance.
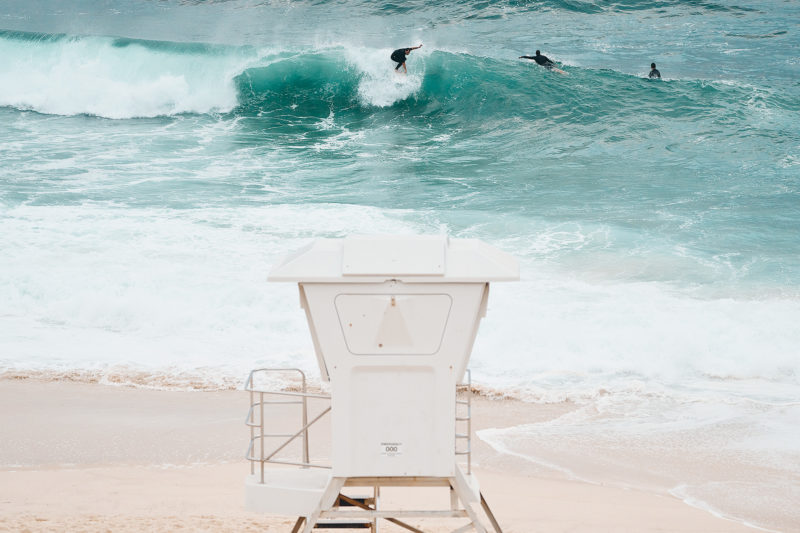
(253, 424)
(252, 459)
(303, 431)
(304, 396)
(468, 419)
(291, 393)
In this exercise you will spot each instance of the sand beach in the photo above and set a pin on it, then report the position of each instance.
(91, 457)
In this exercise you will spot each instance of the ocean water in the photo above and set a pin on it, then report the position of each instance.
(156, 158)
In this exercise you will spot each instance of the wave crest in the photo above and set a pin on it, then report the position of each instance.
(128, 78)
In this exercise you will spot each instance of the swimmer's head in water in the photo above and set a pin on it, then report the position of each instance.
(537, 53)
(652, 65)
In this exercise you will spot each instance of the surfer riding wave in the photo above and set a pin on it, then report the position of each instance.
(399, 56)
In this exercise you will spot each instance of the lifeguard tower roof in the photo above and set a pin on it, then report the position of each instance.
(409, 258)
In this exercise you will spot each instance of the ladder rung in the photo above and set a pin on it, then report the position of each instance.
(278, 402)
(344, 525)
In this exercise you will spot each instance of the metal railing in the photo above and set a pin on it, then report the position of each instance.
(259, 435)
(464, 418)
(255, 421)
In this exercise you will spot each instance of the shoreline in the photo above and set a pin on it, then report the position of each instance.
(91, 457)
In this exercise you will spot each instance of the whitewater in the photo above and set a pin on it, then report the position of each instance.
(157, 159)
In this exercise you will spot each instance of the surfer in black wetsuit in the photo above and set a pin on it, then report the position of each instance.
(399, 56)
(541, 60)
(654, 73)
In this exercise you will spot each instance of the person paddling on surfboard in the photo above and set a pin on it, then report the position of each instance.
(541, 60)
(544, 61)
(399, 56)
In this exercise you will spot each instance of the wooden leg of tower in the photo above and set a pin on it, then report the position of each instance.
(376, 494)
(476, 522)
(297, 524)
(490, 515)
(328, 497)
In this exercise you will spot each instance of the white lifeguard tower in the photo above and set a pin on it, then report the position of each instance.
(393, 320)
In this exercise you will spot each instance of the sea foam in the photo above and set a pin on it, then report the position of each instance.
(380, 84)
(103, 77)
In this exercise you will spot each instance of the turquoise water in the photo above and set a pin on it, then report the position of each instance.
(157, 158)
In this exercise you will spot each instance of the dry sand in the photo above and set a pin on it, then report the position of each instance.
(88, 457)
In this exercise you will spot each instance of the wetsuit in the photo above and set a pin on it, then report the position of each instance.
(654, 74)
(399, 56)
(541, 60)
